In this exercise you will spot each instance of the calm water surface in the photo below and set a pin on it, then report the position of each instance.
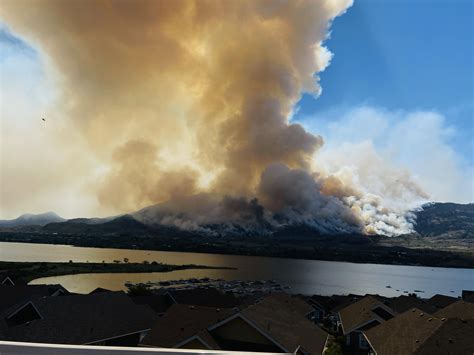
(304, 276)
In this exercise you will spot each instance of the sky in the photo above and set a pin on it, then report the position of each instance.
(398, 89)
(394, 59)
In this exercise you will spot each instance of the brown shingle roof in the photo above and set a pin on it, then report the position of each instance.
(467, 293)
(6, 279)
(11, 295)
(159, 303)
(181, 322)
(453, 337)
(283, 318)
(403, 334)
(280, 316)
(403, 303)
(82, 319)
(459, 309)
(415, 332)
(205, 297)
(338, 302)
(441, 301)
(360, 313)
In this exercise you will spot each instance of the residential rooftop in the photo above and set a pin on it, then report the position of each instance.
(416, 332)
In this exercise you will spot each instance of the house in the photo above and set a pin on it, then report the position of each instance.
(469, 299)
(360, 316)
(285, 319)
(415, 332)
(6, 280)
(440, 301)
(453, 337)
(338, 302)
(108, 318)
(163, 299)
(459, 309)
(319, 306)
(159, 303)
(184, 326)
(403, 303)
(99, 290)
(11, 295)
(467, 294)
(278, 323)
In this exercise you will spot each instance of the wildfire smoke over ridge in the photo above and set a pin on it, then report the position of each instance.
(193, 98)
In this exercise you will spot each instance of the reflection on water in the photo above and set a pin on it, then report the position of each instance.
(304, 276)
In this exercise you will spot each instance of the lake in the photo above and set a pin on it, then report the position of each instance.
(303, 276)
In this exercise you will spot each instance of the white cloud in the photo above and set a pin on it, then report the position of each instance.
(374, 142)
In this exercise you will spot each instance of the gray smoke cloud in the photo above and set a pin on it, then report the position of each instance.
(192, 98)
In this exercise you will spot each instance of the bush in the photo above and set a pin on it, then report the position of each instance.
(334, 347)
(139, 290)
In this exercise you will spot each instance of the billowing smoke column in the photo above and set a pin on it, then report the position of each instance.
(192, 98)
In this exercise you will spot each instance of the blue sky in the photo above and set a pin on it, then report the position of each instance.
(401, 55)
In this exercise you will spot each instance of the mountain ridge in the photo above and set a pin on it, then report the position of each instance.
(446, 246)
(432, 220)
(30, 219)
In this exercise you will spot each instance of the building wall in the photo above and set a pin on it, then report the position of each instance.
(354, 342)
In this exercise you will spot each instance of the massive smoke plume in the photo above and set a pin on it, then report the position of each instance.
(192, 98)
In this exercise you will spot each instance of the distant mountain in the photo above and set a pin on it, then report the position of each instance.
(123, 224)
(446, 219)
(32, 220)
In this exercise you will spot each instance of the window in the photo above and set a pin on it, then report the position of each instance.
(382, 313)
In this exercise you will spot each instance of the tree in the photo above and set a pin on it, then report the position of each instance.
(335, 346)
(139, 290)
(125, 260)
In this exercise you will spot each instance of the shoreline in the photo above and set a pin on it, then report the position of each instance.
(436, 264)
(26, 272)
